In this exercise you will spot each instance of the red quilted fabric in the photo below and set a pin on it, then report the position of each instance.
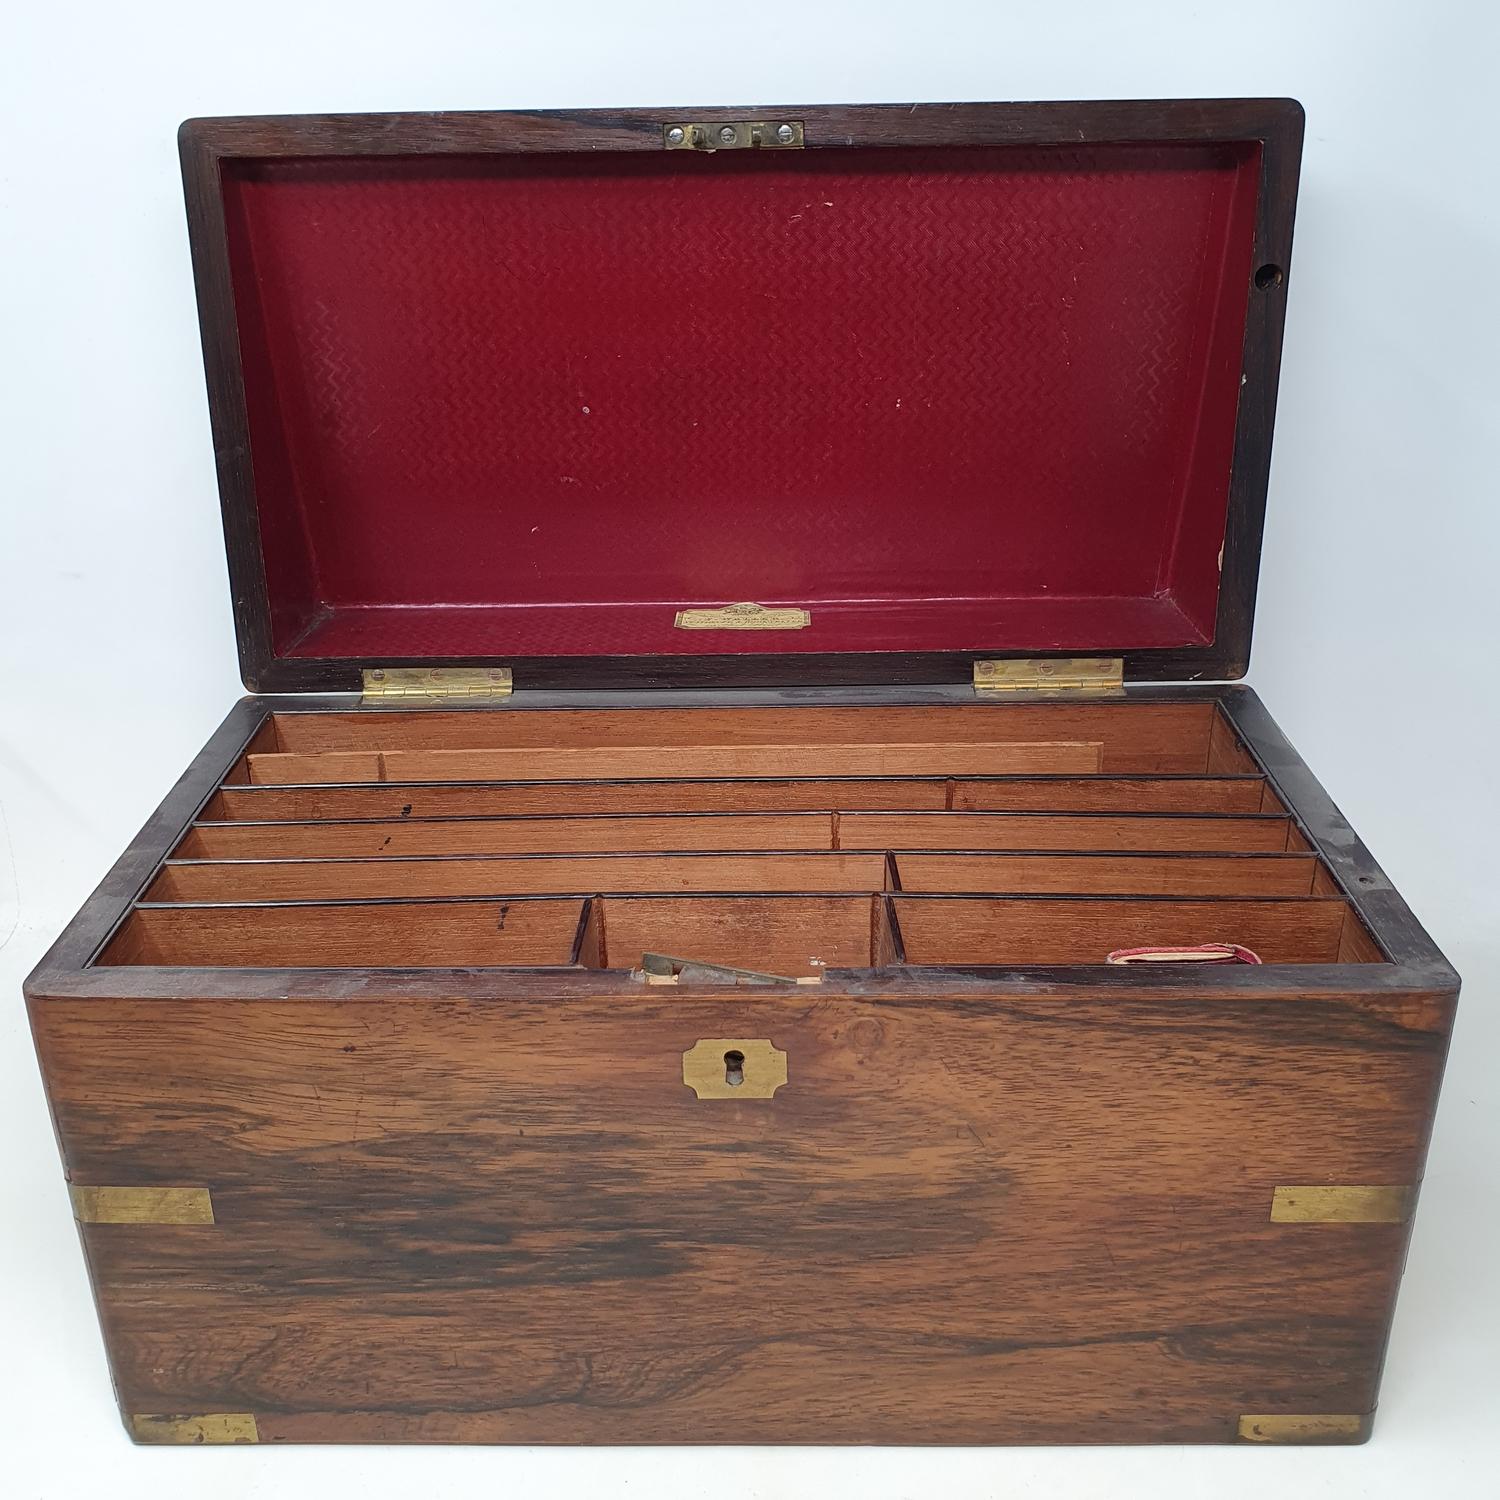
(963, 398)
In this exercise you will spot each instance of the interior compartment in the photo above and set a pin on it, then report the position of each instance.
(1051, 793)
(566, 874)
(1065, 930)
(451, 934)
(1253, 832)
(916, 759)
(508, 799)
(1173, 836)
(1147, 738)
(797, 936)
(554, 835)
(1107, 874)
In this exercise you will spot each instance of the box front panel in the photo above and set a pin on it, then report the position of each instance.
(1001, 1220)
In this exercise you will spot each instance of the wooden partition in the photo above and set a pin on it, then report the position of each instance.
(783, 840)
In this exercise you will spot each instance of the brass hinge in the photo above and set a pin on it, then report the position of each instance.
(1050, 674)
(437, 684)
(733, 135)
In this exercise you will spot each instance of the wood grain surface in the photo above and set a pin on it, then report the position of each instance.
(566, 874)
(515, 930)
(875, 758)
(838, 870)
(1059, 930)
(1134, 734)
(471, 1203)
(1013, 1219)
(1226, 794)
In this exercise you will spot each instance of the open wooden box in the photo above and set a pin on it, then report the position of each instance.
(572, 1002)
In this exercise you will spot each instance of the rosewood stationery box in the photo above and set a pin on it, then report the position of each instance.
(744, 905)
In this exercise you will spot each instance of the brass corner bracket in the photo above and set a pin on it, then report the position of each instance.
(1342, 1427)
(209, 1427)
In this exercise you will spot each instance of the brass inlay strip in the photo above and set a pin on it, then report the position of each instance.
(1338, 1428)
(743, 617)
(727, 1067)
(142, 1205)
(1340, 1205)
(211, 1427)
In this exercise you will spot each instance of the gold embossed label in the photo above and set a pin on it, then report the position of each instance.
(745, 616)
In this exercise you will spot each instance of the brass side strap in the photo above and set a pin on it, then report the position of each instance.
(141, 1205)
(1340, 1205)
(209, 1427)
(1305, 1428)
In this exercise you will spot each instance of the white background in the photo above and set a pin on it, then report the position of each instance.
(1377, 646)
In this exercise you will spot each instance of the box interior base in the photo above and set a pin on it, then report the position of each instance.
(786, 841)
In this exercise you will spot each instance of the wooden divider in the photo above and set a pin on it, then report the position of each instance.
(880, 759)
(1192, 794)
(633, 833)
(545, 874)
(785, 840)
(1137, 737)
(1255, 832)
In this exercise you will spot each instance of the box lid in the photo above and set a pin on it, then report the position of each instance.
(927, 383)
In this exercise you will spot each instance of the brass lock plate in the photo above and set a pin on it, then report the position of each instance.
(729, 1067)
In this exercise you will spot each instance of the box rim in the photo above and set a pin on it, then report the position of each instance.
(1416, 963)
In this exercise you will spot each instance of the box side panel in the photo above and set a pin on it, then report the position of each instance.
(1250, 730)
(245, 725)
(1018, 1219)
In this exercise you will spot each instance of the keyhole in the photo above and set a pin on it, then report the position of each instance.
(734, 1068)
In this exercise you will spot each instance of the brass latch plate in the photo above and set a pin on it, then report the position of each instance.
(437, 684)
(733, 135)
(1051, 674)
